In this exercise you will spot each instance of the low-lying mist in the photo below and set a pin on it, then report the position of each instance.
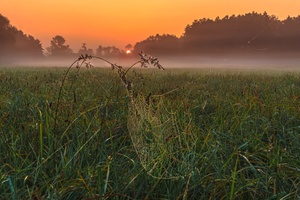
(287, 61)
(231, 61)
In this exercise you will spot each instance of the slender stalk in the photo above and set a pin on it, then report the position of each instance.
(60, 91)
(233, 178)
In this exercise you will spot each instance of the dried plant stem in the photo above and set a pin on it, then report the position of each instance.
(144, 60)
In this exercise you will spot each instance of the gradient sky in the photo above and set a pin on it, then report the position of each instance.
(119, 22)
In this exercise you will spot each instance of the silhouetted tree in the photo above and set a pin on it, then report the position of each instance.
(58, 47)
(128, 47)
(84, 50)
(15, 44)
(109, 51)
(27, 45)
(115, 52)
(158, 45)
(243, 32)
(290, 34)
(99, 51)
(6, 37)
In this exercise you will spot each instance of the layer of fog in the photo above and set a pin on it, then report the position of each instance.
(288, 61)
(281, 61)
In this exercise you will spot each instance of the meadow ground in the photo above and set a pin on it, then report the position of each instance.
(187, 134)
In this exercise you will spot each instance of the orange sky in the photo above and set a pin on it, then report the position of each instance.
(119, 22)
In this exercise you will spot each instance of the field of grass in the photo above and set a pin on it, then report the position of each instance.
(188, 134)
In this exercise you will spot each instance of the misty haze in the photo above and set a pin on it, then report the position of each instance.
(249, 40)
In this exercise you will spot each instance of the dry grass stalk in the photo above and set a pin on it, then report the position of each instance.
(161, 146)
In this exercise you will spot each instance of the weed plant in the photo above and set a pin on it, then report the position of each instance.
(193, 134)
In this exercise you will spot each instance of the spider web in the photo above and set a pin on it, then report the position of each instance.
(165, 146)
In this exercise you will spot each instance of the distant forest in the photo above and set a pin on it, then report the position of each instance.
(249, 33)
(238, 34)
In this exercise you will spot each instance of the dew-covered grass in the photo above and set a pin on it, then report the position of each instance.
(199, 134)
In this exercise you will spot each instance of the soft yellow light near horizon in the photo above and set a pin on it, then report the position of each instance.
(128, 51)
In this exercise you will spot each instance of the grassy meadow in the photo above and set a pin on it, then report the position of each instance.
(183, 134)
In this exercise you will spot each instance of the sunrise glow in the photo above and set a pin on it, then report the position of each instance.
(122, 22)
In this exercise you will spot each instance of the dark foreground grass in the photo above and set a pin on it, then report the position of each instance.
(224, 135)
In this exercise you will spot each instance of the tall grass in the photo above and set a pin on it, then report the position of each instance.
(185, 135)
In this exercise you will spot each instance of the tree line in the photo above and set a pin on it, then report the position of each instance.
(59, 48)
(248, 33)
(16, 45)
